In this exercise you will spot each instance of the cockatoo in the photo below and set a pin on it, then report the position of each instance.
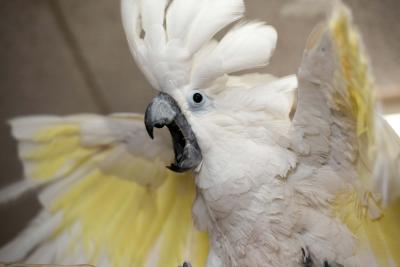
(249, 185)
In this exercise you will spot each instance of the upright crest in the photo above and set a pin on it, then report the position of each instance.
(172, 41)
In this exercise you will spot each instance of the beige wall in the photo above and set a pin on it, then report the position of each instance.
(70, 56)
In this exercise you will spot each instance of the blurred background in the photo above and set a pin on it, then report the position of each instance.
(70, 56)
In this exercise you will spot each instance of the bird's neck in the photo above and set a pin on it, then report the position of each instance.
(237, 185)
(231, 172)
(236, 162)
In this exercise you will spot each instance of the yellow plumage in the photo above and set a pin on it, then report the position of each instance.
(129, 221)
(380, 234)
(354, 69)
(376, 226)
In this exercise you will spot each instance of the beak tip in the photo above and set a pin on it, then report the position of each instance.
(150, 132)
(148, 122)
(149, 129)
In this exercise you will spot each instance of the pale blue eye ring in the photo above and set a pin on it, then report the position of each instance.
(197, 100)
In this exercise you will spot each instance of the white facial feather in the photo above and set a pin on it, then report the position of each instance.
(258, 97)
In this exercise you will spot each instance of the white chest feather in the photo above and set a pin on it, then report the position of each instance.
(265, 211)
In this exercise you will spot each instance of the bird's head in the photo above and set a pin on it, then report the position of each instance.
(174, 44)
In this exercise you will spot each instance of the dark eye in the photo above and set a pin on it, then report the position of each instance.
(197, 98)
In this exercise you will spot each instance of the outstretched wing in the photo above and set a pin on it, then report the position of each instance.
(337, 124)
(107, 197)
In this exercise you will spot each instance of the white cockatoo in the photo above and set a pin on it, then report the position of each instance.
(263, 189)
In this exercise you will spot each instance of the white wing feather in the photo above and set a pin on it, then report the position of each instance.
(37, 232)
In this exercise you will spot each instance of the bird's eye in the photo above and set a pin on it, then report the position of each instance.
(197, 98)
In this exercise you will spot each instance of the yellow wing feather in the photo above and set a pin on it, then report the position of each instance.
(379, 231)
(128, 219)
(53, 151)
(129, 223)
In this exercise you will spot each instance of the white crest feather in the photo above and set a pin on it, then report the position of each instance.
(214, 16)
(179, 17)
(130, 19)
(152, 12)
(165, 40)
(247, 46)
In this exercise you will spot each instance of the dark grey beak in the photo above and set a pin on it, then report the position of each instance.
(164, 111)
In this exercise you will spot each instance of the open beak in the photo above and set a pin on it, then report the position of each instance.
(164, 111)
